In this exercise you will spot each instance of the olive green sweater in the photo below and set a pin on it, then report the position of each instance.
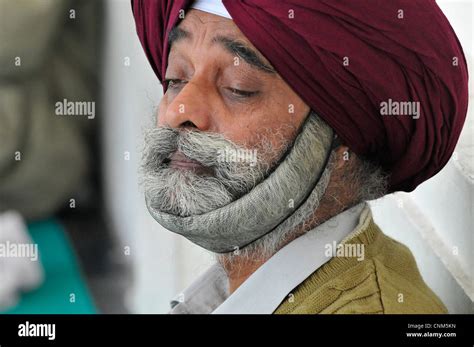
(387, 280)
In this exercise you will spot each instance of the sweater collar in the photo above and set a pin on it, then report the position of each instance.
(267, 287)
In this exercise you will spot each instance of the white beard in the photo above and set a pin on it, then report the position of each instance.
(300, 178)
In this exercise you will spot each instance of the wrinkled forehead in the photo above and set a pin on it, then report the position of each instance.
(207, 29)
(197, 22)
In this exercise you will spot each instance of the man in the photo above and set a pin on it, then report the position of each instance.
(279, 120)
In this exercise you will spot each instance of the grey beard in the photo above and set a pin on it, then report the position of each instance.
(269, 244)
(185, 192)
(254, 206)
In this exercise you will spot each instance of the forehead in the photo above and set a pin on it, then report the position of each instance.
(198, 22)
(202, 28)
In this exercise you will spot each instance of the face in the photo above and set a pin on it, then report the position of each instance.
(216, 85)
(224, 101)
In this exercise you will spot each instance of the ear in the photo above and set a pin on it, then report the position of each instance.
(343, 156)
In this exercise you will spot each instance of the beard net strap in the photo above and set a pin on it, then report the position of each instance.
(304, 170)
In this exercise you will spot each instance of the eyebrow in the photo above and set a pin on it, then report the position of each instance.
(233, 46)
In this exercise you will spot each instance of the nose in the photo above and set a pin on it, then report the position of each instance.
(189, 108)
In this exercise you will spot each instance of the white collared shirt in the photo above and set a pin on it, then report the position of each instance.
(271, 283)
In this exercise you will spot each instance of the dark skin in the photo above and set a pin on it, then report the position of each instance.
(214, 89)
(209, 92)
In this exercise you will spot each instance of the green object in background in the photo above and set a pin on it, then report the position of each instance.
(62, 275)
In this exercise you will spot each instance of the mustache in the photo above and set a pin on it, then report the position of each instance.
(186, 192)
(194, 144)
(238, 176)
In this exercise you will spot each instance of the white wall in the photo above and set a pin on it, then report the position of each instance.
(130, 93)
(432, 221)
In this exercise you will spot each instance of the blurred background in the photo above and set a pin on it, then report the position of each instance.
(76, 93)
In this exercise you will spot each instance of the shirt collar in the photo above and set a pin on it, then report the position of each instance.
(267, 287)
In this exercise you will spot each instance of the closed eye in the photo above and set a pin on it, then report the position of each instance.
(173, 82)
(242, 93)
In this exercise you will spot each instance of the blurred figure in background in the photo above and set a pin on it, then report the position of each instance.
(49, 63)
(44, 157)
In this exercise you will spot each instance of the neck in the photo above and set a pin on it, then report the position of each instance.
(239, 267)
(240, 271)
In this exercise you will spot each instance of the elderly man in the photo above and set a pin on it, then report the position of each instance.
(279, 121)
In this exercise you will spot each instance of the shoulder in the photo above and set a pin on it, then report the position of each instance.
(401, 286)
(386, 281)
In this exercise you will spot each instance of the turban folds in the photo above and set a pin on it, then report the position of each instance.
(348, 60)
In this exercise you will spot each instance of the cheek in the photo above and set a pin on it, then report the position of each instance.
(284, 113)
(273, 122)
(276, 118)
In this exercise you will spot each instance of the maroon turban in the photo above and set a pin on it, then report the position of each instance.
(346, 59)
